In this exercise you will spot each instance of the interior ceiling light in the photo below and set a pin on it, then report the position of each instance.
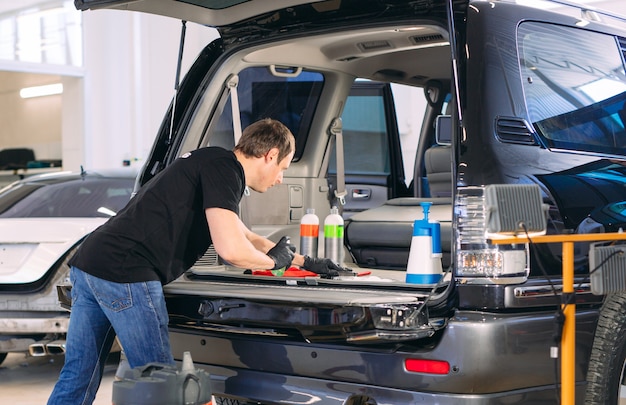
(40, 91)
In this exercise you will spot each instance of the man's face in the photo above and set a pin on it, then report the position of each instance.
(272, 170)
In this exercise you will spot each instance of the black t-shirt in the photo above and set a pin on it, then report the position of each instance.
(163, 229)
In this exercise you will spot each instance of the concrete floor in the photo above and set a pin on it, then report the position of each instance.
(27, 380)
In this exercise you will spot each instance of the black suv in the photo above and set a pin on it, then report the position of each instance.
(515, 95)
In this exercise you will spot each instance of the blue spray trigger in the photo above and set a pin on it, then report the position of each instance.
(426, 208)
(423, 227)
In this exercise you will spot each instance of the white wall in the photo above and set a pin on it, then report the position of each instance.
(130, 59)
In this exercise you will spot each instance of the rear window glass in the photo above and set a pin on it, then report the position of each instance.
(575, 87)
(290, 98)
(69, 199)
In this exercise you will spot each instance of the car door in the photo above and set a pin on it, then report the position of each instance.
(373, 165)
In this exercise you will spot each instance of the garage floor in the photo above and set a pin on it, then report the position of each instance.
(27, 380)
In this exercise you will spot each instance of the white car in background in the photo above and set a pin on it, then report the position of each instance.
(43, 219)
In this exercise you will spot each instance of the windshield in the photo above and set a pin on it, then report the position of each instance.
(73, 198)
(575, 87)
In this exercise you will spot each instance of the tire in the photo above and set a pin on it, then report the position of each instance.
(3, 356)
(608, 354)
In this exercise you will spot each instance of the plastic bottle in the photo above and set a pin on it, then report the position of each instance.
(163, 384)
(424, 266)
(333, 236)
(309, 233)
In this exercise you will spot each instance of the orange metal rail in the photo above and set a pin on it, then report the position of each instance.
(568, 339)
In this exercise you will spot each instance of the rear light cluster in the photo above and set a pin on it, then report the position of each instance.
(479, 262)
(397, 322)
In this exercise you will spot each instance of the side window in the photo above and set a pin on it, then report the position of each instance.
(365, 133)
(575, 87)
(374, 125)
(291, 99)
(380, 143)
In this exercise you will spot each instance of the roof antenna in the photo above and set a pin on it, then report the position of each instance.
(83, 173)
(177, 80)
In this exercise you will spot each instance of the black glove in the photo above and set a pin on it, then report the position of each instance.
(326, 268)
(282, 253)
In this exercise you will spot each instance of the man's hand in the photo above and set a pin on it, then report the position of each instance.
(282, 253)
(325, 267)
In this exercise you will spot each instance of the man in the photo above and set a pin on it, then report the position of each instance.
(118, 272)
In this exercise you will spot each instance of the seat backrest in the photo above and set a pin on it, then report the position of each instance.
(438, 163)
(16, 158)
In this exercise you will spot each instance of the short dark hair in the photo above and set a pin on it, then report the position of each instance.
(259, 137)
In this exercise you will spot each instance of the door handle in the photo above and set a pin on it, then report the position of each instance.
(361, 193)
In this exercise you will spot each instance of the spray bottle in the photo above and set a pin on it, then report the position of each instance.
(424, 266)
(309, 233)
(333, 236)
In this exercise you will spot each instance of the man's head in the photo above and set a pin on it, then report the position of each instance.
(265, 150)
(259, 137)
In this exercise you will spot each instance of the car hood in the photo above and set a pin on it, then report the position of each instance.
(30, 247)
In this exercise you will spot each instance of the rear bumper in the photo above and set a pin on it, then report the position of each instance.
(493, 358)
(26, 325)
(279, 389)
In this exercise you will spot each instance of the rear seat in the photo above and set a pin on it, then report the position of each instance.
(437, 160)
(381, 237)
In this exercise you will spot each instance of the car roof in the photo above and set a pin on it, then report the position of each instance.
(128, 173)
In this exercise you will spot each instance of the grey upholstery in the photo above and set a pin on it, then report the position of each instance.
(381, 237)
(438, 162)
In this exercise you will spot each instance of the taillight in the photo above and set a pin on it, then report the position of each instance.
(479, 262)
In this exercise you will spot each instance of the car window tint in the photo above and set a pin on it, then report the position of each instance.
(291, 100)
(72, 199)
(575, 87)
(365, 135)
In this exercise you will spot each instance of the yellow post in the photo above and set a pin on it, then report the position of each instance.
(568, 339)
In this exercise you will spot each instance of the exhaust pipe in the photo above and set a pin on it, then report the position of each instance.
(37, 349)
(47, 347)
(56, 347)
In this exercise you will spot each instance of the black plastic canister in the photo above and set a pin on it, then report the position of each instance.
(159, 384)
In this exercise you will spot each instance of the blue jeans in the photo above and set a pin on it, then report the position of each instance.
(101, 309)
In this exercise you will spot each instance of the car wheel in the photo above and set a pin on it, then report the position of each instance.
(607, 365)
(3, 356)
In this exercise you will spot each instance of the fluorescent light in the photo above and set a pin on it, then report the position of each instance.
(39, 91)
